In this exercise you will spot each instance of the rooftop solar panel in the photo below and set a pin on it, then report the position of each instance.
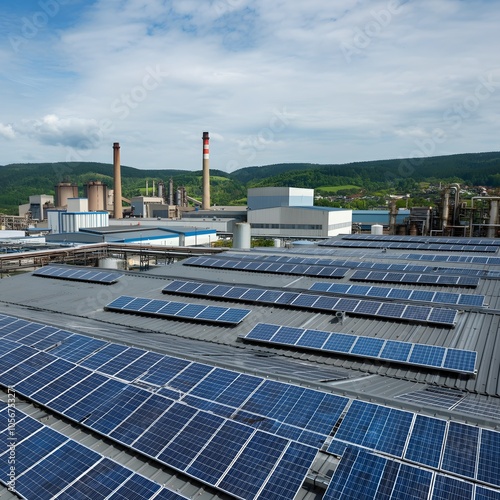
(384, 350)
(163, 308)
(91, 276)
(333, 304)
(461, 449)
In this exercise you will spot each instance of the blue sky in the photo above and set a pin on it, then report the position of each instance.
(277, 81)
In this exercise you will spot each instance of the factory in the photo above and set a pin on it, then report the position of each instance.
(362, 365)
(278, 213)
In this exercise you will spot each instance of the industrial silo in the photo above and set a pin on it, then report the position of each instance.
(65, 190)
(242, 235)
(97, 194)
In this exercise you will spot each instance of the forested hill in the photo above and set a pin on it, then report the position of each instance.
(19, 181)
(472, 168)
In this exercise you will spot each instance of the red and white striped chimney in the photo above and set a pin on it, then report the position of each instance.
(205, 202)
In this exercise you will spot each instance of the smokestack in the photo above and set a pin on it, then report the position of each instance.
(118, 181)
(206, 173)
(171, 191)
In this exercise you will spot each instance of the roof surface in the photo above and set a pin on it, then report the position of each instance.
(457, 397)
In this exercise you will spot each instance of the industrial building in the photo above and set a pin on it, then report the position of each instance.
(364, 367)
(284, 212)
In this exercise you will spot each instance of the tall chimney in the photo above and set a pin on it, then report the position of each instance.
(171, 191)
(205, 201)
(118, 181)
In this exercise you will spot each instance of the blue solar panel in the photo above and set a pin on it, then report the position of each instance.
(164, 429)
(162, 308)
(364, 425)
(313, 338)
(339, 342)
(369, 307)
(305, 300)
(219, 453)
(189, 377)
(98, 482)
(397, 351)
(357, 476)
(391, 310)
(460, 360)
(471, 300)
(416, 313)
(486, 494)
(488, 467)
(366, 346)
(253, 465)
(443, 316)
(58, 469)
(87, 275)
(426, 441)
(42, 377)
(447, 487)
(287, 335)
(326, 303)
(404, 352)
(288, 476)
(427, 355)
(107, 416)
(164, 370)
(185, 446)
(140, 419)
(460, 452)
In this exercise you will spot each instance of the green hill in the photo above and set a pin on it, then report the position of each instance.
(19, 181)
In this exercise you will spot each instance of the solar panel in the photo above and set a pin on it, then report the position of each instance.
(416, 279)
(488, 467)
(426, 441)
(415, 245)
(364, 422)
(461, 449)
(87, 275)
(163, 308)
(266, 267)
(367, 347)
(109, 406)
(446, 487)
(333, 304)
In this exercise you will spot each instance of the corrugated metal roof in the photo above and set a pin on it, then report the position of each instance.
(79, 307)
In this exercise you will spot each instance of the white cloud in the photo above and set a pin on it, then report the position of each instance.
(229, 64)
(78, 133)
(7, 131)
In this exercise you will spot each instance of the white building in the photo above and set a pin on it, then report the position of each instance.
(61, 221)
(300, 222)
(270, 197)
(284, 212)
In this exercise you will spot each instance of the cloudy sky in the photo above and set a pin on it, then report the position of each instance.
(273, 81)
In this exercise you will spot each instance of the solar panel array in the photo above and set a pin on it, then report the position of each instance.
(245, 435)
(178, 310)
(466, 259)
(366, 264)
(459, 299)
(86, 275)
(416, 279)
(450, 447)
(409, 245)
(403, 312)
(366, 347)
(49, 464)
(265, 267)
(425, 239)
(361, 474)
